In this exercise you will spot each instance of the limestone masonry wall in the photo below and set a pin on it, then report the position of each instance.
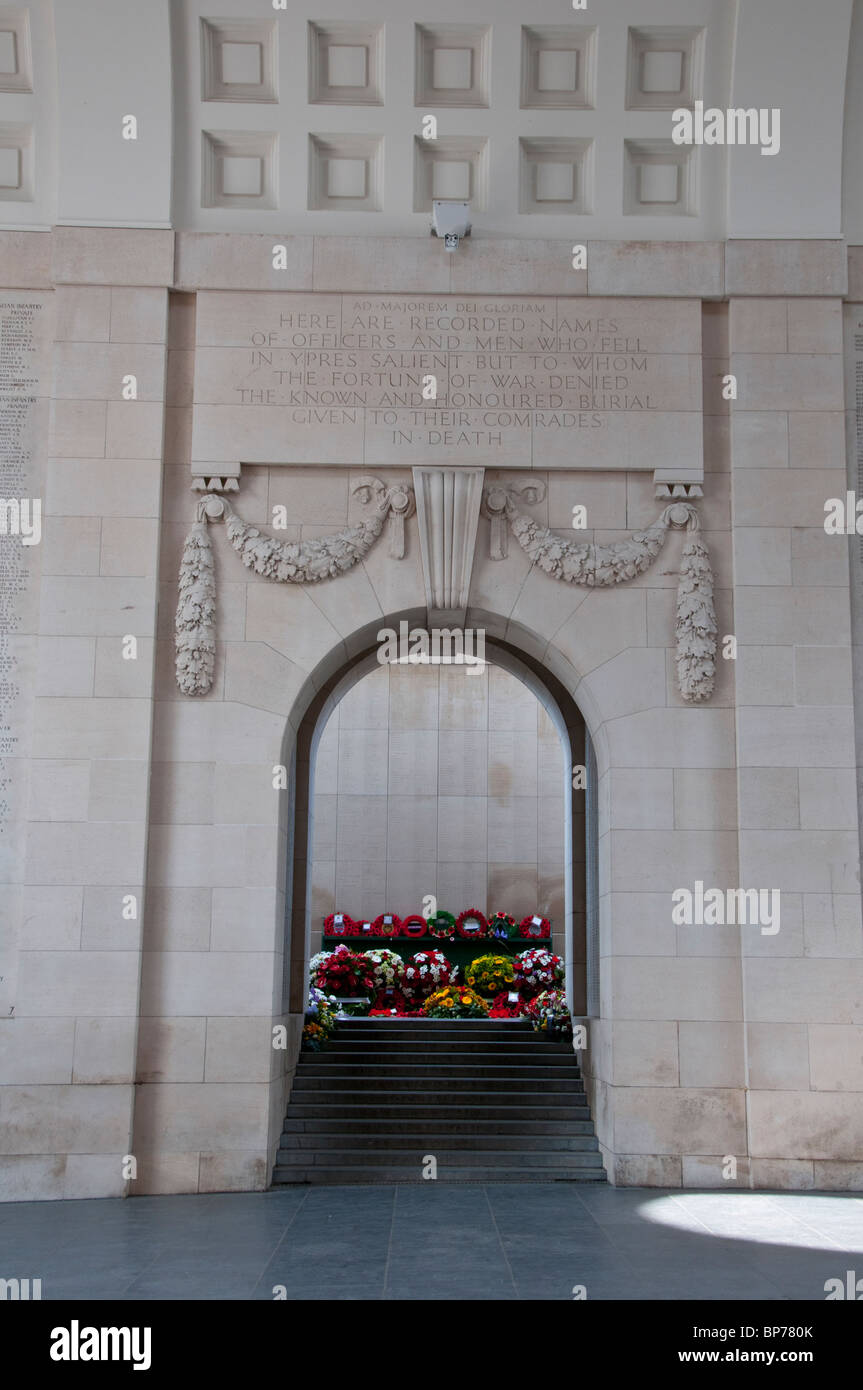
(150, 855)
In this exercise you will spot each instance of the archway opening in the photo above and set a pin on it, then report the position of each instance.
(433, 780)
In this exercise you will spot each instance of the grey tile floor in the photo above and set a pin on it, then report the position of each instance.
(503, 1241)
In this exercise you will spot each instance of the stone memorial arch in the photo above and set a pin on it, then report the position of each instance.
(287, 536)
(602, 558)
(488, 539)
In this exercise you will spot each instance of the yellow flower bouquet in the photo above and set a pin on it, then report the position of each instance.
(490, 974)
(456, 1001)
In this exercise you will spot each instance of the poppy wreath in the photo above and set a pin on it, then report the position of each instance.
(426, 972)
(534, 927)
(392, 1001)
(456, 1001)
(504, 1007)
(415, 925)
(388, 968)
(442, 926)
(388, 924)
(538, 969)
(345, 972)
(471, 923)
(346, 927)
(502, 926)
(489, 974)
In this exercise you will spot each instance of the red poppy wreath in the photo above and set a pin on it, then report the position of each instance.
(388, 924)
(414, 925)
(340, 924)
(471, 923)
(534, 927)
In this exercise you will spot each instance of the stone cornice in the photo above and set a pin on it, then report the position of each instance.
(191, 261)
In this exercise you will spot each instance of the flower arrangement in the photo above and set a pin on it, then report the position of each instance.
(489, 974)
(392, 1002)
(425, 972)
(502, 1006)
(388, 924)
(316, 962)
(456, 1001)
(320, 1020)
(388, 968)
(353, 1008)
(502, 926)
(345, 972)
(549, 1012)
(534, 926)
(537, 969)
(340, 924)
(471, 923)
(442, 925)
(414, 925)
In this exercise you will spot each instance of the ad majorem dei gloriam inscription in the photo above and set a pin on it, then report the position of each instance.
(569, 383)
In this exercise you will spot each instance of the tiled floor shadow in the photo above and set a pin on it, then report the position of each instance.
(504, 1242)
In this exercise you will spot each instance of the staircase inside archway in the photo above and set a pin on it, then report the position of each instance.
(487, 1100)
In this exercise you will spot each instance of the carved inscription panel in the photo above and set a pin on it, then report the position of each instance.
(521, 383)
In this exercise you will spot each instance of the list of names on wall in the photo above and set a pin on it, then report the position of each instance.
(406, 379)
(854, 450)
(21, 332)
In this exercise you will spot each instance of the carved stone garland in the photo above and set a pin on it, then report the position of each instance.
(605, 565)
(308, 562)
(292, 562)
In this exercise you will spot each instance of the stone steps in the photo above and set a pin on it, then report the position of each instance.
(479, 1068)
(434, 1125)
(511, 1048)
(450, 1158)
(389, 1173)
(345, 1104)
(490, 1101)
(429, 1080)
(434, 1142)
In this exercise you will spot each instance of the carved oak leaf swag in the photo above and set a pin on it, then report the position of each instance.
(617, 562)
(288, 562)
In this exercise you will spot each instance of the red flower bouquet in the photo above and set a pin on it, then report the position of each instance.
(549, 1012)
(471, 923)
(391, 1002)
(537, 969)
(345, 972)
(534, 927)
(425, 973)
(503, 1006)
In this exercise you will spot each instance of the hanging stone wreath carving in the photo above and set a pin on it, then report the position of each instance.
(605, 565)
(289, 562)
